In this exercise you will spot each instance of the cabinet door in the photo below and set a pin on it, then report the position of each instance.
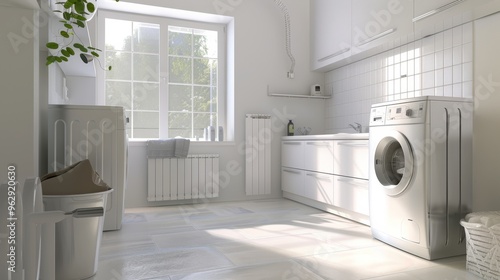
(292, 181)
(351, 158)
(351, 194)
(292, 154)
(319, 187)
(330, 31)
(377, 23)
(430, 17)
(318, 156)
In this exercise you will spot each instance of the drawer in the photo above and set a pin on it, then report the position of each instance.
(351, 194)
(292, 154)
(319, 187)
(318, 156)
(351, 158)
(292, 181)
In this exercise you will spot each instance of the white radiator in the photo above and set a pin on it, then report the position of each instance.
(258, 154)
(196, 176)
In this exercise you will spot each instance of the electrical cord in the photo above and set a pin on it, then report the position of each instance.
(288, 36)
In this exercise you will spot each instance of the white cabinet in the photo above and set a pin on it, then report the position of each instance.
(292, 154)
(351, 158)
(430, 17)
(377, 23)
(351, 194)
(318, 156)
(330, 174)
(292, 180)
(319, 187)
(330, 32)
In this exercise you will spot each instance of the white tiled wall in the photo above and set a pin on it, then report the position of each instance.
(439, 65)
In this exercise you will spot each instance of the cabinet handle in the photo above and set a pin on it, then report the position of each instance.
(378, 36)
(317, 176)
(291, 143)
(352, 144)
(291, 171)
(355, 182)
(318, 143)
(437, 10)
(334, 54)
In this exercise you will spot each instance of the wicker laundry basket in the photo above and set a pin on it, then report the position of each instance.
(482, 230)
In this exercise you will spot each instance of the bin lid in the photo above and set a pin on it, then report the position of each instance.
(79, 178)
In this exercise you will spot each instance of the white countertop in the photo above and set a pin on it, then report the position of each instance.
(336, 136)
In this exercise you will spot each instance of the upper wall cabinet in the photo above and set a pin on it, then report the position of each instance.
(377, 23)
(330, 32)
(430, 17)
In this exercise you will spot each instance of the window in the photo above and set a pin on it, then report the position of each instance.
(168, 74)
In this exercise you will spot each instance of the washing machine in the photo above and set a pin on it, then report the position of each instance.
(421, 174)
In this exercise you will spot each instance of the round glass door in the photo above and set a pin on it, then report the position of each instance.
(394, 163)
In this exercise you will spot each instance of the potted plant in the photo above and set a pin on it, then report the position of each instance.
(73, 14)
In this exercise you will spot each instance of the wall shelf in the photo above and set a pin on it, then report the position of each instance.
(276, 94)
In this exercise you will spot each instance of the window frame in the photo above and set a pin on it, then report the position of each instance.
(164, 23)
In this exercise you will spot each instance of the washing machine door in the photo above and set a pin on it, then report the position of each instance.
(394, 163)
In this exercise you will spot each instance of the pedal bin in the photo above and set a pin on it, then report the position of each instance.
(78, 191)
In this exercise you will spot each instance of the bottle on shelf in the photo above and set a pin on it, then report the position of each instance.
(290, 128)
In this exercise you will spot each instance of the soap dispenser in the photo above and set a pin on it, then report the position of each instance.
(290, 128)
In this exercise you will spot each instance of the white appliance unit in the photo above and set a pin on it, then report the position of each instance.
(97, 133)
(421, 174)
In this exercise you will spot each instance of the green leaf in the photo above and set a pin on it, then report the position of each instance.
(65, 53)
(109, 68)
(80, 8)
(68, 26)
(68, 4)
(64, 34)
(90, 7)
(50, 59)
(65, 59)
(78, 45)
(52, 45)
(58, 59)
(95, 54)
(80, 23)
(84, 58)
(70, 51)
(66, 16)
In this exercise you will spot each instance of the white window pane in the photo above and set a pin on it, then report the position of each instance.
(179, 124)
(146, 96)
(146, 37)
(180, 41)
(121, 62)
(205, 99)
(205, 71)
(180, 70)
(205, 43)
(146, 67)
(179, 98)
(119, 94)
(118, 34)
(145, 124)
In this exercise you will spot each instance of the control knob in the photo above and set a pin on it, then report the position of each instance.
(409, 112)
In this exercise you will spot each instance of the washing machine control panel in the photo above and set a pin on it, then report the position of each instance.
(413, 112)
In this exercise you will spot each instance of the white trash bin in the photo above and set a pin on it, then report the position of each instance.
(78, 191)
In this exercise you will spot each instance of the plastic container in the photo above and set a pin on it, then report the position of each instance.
(79, 192)
(482, 231)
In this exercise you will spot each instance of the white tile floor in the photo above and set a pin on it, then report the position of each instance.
(262, 239)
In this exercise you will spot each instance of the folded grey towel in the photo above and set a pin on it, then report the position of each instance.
(168, 148)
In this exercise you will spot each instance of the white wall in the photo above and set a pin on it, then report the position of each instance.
(486, 114)
(439, 65)
(19, 109)
(260, 60)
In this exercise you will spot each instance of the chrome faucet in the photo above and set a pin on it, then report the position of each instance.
(358, 127)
